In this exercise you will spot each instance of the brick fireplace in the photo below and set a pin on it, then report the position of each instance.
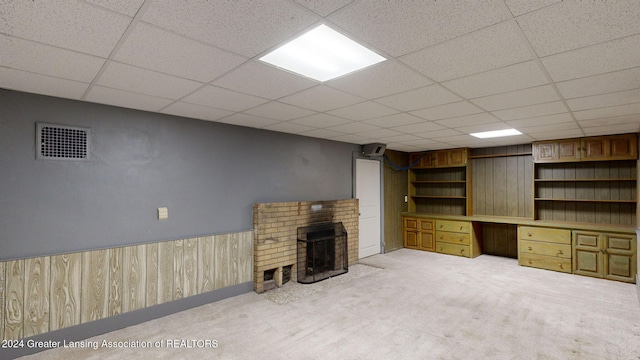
(275, 233)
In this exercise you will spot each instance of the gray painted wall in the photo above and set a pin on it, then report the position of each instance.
(207, 174)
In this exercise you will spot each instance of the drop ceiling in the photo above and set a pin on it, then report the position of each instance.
(549, 68)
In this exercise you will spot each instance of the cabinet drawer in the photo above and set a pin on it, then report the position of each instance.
(453, 238)
(620, 242)
(411, 224)
(544, 248)
(545, 262)
(559, 236)
(453, 226)
(426, 225)
(452, 249)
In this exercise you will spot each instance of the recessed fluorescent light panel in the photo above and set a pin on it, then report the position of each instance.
(496, 133)
(322, 54)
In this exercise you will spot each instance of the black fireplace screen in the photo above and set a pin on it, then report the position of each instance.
(322, 252)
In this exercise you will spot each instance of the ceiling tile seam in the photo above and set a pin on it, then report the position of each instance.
(98, 6)
(116, 48)
(45, 75)
(520, 33)
(54, 46)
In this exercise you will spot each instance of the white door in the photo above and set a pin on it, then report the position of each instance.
(368, 193)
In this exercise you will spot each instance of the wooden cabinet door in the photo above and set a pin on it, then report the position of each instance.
(411, 239)
(457, 157)
(620, 257)
(588, 256)
(556, 151)
(622, 147)
(426, 241)
(569, 150)
(544, 152)
(595, 148)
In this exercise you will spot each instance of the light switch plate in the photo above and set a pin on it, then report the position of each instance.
(163, 213)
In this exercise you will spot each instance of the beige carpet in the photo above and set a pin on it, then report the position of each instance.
(419, 306)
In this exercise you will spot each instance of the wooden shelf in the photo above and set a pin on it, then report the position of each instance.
(437, 197)
(587, 200)
(439, 182)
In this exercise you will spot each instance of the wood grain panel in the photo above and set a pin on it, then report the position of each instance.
(178, 269)
(245, 257)
(95, 285)
(223, 261)
(165, 271)
(14, 312)
(206, 261)
(37, 282)
(512, 185)
(3, 284)
(115, 281)
(395, 189)
(66, 280)
(234, 256)
(152, 274)
(134, 267)
(190, 267)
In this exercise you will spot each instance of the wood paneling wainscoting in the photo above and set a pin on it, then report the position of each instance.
(47, 293)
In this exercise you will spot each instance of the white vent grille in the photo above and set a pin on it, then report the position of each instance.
(62, 142)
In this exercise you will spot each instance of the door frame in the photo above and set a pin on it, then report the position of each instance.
(359, 155)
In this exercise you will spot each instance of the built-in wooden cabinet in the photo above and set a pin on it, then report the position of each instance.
(605, 255)
(418, 234)
(600, 148)
(459, 238)
(439, 183)
(544, 248)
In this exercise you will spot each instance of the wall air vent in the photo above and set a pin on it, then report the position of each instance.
(62, 142)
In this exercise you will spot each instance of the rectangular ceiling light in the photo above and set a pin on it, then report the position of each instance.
(496, 133)
(322, 54)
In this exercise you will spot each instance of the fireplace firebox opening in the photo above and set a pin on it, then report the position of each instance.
(322, 252)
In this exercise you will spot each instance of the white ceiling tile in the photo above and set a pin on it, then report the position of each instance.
(330, 134)
(321, 121)
(619, 120)
(404, 148)
(510, 78)
(350, 138)
(549, 128)
(605, 100)
(612, 111)
(288, 127)
(483, 50)
(68, 24)
(380, 134)
(248, 120)
(483, 127)
(216, 97)
(519, 7)
(142, 81)
(394, 120)
(556, 107)
(195, 111)
(457, 109)
(385, 78)
(541, 120)
(466, 141)
(531, 96)
(363, 111)
(430, 22)
(279, 111)
(419, 98)
(403, 138)
(597, 59)
(427, 144)
(600, 84)
(127, 7)
(321, 98)
(440, 133)
(418, 128)
(512, 140)
(115, 97)
(558, 134)
(353, 128)
(160, 50)
(40, 84)
(263, 80)
(468, 120)
(324, 7)
(612, 129)
(247, 27)
(48, 60)
(575, 24)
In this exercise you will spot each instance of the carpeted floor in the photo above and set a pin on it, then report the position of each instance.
(419, 306)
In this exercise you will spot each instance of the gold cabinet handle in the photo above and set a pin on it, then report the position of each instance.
(461, 251)
(461, 227)
(440, 226)
(441, 237)
(461, 239)
(560, 252)
(530, 262)
(529, 234)
(530, 248)
(560, 265)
